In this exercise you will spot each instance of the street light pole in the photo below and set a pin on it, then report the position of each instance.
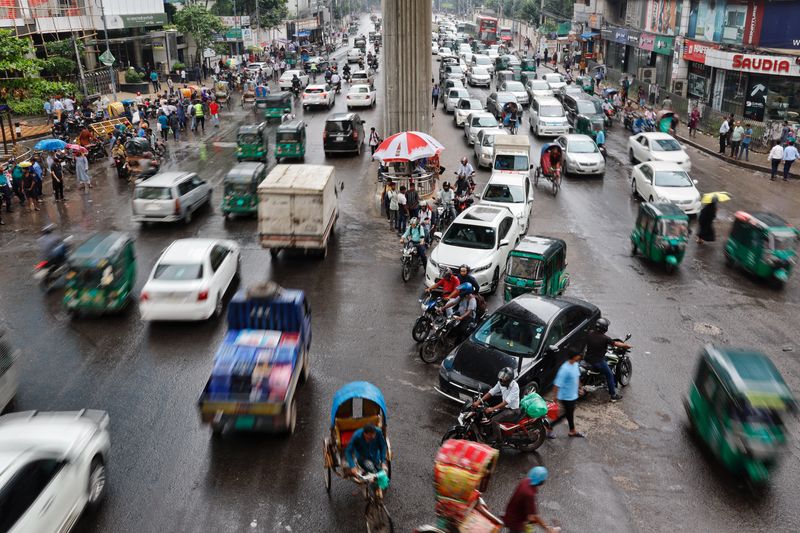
(108, 49)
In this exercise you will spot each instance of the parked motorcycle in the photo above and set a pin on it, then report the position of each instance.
(618, 361)
(526, 434)
(429, 318)
(410, 261)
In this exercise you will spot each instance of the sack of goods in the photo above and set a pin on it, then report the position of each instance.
(254, 363)
(534, 405)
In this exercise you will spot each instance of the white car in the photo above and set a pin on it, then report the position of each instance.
(9, 373)
(361, 96)
(452, 96)
(581, 155)
(454, 72)
(555, 81)
(482, 60)
(362, 77)
(189, 280)
(463, 108)
(484, 145)
(285, 81)
(657, 146)
(466, 59)
(260, 65)
(513, 191)
(664, 181)
(480, 237)
(476, 121)
(464, 48)
(354, 54)
(445, 52)
(52, 467)
(513, 61)
(493, 51)
(517, 89)
(479, 76)
(319, 95)
(434, 48)
(538, 88)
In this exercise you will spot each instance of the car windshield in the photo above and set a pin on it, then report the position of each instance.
(525, 267)
(248, 138)
(586, 107)
(360, 89)
(507, 194)
(455, 70)
(484, 122)
(674, 228)
(784, 240)
(514, 86)
(337, 126)
(480, 71)
(167, 272)
(582, 147)
(468, 236)
(238, 187)
(511, 162)
(540, 86)
(551, 111)
(505, 98)
(483, 60)
(553, 78)
(665, 145)
(287, 136)
(153, 193)
(510, 335)
(672, 178)
(488, 140)
(86, 277)
(315, 90)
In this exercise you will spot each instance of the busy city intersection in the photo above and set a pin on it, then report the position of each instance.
(639, 466)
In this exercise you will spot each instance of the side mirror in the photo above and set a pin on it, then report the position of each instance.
(503, 242)
(695, 182)
(437, 235)
(531, 167)
(552, 348)
(628, 336)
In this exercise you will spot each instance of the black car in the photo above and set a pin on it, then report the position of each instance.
(583, 104)
(532, 334)
(344, 132)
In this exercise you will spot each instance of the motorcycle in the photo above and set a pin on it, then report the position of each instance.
(338, 87)
(97, 151)
(462, 202)
(608, 119)
(122, 167)
(526, 434)
(440, 340)
(411, 260)
(618, 361)
(430, 318)
(444, 216)
(48, 273)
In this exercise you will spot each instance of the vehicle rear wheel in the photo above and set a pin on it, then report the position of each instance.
(630, 155)
(634, 191)
(556, 185)
(187, 217)
(536, 177)
(306, 368)
(454, 433)
(537, 435)
(634, 248)
(421, 329)
(97, 482)
(530, 388)
(624, 372)
(327, 479)
(291, 418)
(495, 281)
(218, 307)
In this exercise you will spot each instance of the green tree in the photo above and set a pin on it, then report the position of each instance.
(197, 21)
(271, 13)
(16, 56)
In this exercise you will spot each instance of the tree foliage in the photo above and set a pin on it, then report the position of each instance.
(16, 56)
(271, 13)
(197, 21)
(64, 48)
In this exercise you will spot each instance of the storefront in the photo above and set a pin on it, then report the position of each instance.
(759, 87)
(699, 77)
(621, 49)
(656, 51)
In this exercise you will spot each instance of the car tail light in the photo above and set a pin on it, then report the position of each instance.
(355, 135)
(202, 296)
(177, 207)
(324, 134)
(144, 297)
(324, 95)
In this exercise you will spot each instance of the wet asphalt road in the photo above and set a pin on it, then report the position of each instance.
(637, 471)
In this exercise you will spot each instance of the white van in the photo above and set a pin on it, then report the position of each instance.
(547, 117)
(169, 196)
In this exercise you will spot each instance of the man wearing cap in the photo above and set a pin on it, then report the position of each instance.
(522, 509)
(366, 450)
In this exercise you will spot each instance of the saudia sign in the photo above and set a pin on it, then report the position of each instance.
(760, 64)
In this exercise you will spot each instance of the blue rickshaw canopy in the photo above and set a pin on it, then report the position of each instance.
(357, 389)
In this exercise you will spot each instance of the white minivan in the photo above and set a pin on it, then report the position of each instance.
(170, 196)
(547, 117)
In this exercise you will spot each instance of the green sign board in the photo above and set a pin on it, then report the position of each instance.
(563, 28)
(663, 45)
(143, 19)
(234, 33)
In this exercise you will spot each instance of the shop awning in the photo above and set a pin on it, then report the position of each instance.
(589, 35)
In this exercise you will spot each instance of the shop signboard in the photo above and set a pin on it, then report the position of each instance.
(752, 63)
(140, 20)
(752, 22)
(755, 100)
(663, 45)
(662, 16)
(647, 41)
(633, 37)
(235, 22)
(780, 26)
(696, 50)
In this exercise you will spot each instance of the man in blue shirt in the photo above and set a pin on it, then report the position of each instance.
(416, 233)
(565, 390)
(366, 450)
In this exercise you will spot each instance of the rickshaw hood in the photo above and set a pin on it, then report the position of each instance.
(357, 389)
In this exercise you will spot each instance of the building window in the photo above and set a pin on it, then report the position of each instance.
(783, 100)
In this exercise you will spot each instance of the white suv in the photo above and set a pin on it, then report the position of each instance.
(52, 466)
(480, 237)
(319, 95)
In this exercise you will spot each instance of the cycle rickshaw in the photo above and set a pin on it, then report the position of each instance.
(550, 166)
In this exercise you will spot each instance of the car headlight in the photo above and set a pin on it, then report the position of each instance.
(482, 268)
(447, 364)
(433, 263)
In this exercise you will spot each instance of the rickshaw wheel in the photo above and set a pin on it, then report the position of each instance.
(555, 186)
(389, 468)
(306, 369)
(327, 479)
(291, 418)
(377, 517)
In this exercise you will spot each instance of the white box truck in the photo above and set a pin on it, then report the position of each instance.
(297, 208)
(512, 154)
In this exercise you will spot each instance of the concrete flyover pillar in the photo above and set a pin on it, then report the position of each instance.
(407, 65)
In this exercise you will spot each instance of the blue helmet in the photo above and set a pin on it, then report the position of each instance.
(465, 288)
(537, 475)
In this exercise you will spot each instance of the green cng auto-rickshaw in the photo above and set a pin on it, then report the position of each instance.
(240, 195)
(101, 274)
(528, 65)
(763, 244)
(252, 143)
(661, 233)
(586, 83)
(536, 265)
(277, 105)
(290, 140)
(735, 405)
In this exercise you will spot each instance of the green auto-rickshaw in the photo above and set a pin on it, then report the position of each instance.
(537, 265)
(101, 274)
(735, 405)
(586, 83)
(528, 65)
(290, 140)
(763, 244)
(661, 233)
(277, 105)
(252, 143)
(241, 184)
(583, 125)
(516, 73)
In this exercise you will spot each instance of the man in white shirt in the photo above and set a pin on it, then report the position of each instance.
(775, 157)
(508, 408)
(723, 135)
(402, 212)
(790, 155)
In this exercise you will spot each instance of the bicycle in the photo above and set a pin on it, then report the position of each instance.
(375, 513)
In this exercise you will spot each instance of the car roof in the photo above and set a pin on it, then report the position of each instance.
(506, 94)
(549, 99)
(98, 247)
(763, 219)
(749, 374)
(664, 209)
(292, 125)
(535, 308)
(494, 131)
(316, 86)
(576, 137)
(335, 117)
(252, 128)
(540, 245)
(663, 165)
(164, 179)
(483, 215)
(246, 168)
(506, 178)
(477, 114)
(187, 250)
(656, 135)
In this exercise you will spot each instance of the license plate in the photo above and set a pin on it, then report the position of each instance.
(464, 396)
(152, 207)
(244, 422)
(340, 137)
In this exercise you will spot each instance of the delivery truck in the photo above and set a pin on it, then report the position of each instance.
(298, 208)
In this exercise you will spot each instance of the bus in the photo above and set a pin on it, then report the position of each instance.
(487, 29)
(505, 34)
(467, 28)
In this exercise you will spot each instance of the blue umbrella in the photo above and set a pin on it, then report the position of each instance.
(127, 101)
(50, 145)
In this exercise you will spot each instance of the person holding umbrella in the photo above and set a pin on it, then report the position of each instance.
(705, 220)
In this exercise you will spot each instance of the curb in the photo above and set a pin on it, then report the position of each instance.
(744, 164)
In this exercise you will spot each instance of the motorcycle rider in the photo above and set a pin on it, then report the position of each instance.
(445, 198)
(416, 233)
(465, 277)
(508, 408)
(346, 72)
(448, 282)
(52, 246)
(295, 84)
(466, 310)
(336, 82)
(597, 343)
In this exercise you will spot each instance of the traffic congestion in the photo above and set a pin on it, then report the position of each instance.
(217, 329)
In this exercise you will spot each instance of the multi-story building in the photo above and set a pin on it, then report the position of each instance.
(733, 56)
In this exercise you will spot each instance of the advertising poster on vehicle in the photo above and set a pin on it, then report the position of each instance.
(663, 16)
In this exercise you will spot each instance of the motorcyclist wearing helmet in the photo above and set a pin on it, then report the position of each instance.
(295, 83)
(52, 246)
(447, 283)
(597, 343)
(508, 408)
(446, 198)
(416, 233)
(521, 510)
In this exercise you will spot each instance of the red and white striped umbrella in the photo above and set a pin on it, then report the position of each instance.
(407, 146)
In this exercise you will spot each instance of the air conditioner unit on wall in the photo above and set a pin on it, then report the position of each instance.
(679, 87)
(647, 75)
